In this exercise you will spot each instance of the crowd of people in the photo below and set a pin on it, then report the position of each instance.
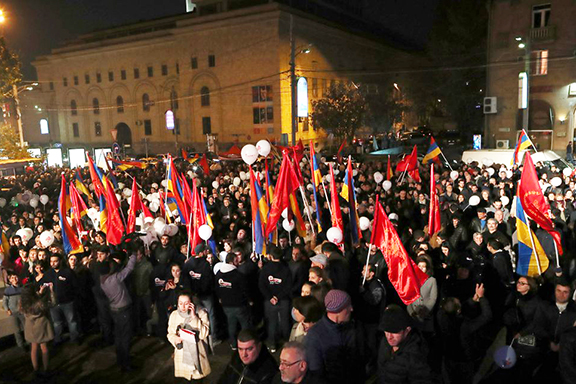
(331, 311)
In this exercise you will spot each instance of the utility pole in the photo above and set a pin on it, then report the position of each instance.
(18, 115)
(293, 81)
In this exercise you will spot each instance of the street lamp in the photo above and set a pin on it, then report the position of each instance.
(524, 82)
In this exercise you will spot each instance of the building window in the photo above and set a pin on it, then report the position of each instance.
(120, 104)
(206, 126)
(136, 73)
(98, 77)
(261, 93)
(96, 106)
(314, 87)
(87, 79)
(51, 85)
(177, 68)
(205, 97)
(148, 127)
(110, 76)
(76, 82)
(150, 71)
(539, 63)
(194, 63)
(263, 115)
(164, 70)
(74, 107)
(75, 130)
(173, 99)
(44, 129)
(65, 81)
(540, 16)
(123, 74)
(146, 102)
(97, 129)
(211, 61)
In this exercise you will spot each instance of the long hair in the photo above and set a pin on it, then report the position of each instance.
(31, 301)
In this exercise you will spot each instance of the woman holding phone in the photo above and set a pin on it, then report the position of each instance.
(188, 330)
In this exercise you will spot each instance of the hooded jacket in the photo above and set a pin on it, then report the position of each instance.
(407, 365)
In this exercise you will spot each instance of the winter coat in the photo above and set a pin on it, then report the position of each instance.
(261, 371)
(407, 365)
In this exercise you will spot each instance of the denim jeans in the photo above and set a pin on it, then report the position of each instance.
(17, 320)
(235, 316)
(278, 319)
(104, 318)
(62, 312)
(208, 304)
(122, 335)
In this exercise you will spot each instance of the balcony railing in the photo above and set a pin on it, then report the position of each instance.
(538, 35)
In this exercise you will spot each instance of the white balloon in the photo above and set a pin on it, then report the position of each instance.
(161, 229)
(215, 184)
(509, 174)
(505, 200)
(172, 230)
(155, 185)
(118, 197)
(364, 223)
(454, 175)
(129, 200)
(263, 147)
(34, 203)
(310, 187)
(46, 239)
(387, 184)
(556, 181)
(164, 183)
(336, 172)
(2, 202)
(288, 225)
(334, 235)
(243, 175)
(127, 192)
(139, 222)
(44, 199)
(487, 162)
(149, 220)
(474, 200)
(121, 185)
(567, 171)
(285, 213)
(249, 154)
(154, 206)
(354, 172)
(237, 181)
(378, 177)
(25, 234)
(26, 196)
(205, 232)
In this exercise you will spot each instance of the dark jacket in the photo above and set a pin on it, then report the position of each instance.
(262, 371)
(199, 273)
(550, 323)
(476, 225)
(407, 365)
(520, 313)
(372, 301)
(275, 280)
(65, 284)
(231, 288)
(338, 271)
(336, 351)
(299, 270)
(568, 356)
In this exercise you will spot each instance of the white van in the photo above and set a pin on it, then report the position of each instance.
(504, 157)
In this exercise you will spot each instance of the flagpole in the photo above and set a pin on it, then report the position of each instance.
(446, 160)
(307, 208)
(188, 242)
(531, 143)
(367, 261)
(534, 246)
(166, 209)
(557, 256)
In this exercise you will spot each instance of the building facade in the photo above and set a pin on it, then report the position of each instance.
(223, 70)
(531, 74)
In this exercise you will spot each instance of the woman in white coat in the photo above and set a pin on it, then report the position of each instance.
(188, 330)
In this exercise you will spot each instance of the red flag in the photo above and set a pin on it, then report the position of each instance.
(403, 273)
(298, 151)
(410, 164)
(286, 184)
(533, 201)
(434, 214)
(389, 173)
(79, 208)
(184, 154)
(204, 164)
(96, 181)
(198, 218)
(135, 206)
(336, 212)
(338, 156)
(115, 224)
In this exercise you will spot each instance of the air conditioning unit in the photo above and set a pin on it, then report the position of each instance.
(503, 144)
(490, 104)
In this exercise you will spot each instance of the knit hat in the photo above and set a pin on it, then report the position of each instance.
(320, 259)
(336, 300)
(395, 319)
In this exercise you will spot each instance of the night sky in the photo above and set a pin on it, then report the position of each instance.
(34, 27)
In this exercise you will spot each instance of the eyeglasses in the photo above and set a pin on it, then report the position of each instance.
(288, 365)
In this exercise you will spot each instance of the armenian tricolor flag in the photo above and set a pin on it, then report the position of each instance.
(124, 165)
(69, 239)
(175, 192)
(532, 260)
(433, 153)
(258, 216)
(523, 143)
(389, 173)
(79, 183)
(349, 194)
(316, 180)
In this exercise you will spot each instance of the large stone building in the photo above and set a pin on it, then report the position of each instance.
(537, 39)
(224, 70)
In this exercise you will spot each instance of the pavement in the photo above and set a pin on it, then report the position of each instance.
(89, 363)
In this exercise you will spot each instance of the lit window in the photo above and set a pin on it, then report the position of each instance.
(44, 130)
(540, 63)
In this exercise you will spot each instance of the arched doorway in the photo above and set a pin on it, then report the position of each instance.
(124, 137)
